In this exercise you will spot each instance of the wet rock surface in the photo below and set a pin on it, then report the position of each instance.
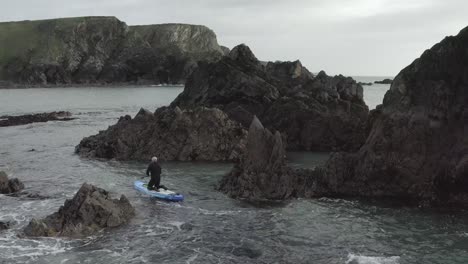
(416, 147)
(8, 186)
(170, 134)
(312, 112)
(90, 210)
(35, 118)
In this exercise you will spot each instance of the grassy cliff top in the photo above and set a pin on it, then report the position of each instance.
(40, 38)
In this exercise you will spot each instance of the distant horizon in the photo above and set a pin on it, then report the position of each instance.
(353, 38)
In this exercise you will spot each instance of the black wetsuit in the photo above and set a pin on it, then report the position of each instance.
(155, 171)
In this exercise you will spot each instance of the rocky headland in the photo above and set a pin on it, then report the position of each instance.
(35, 118)
(101, 50)
(90, 210)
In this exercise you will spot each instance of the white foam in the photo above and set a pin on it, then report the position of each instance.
(359, 259)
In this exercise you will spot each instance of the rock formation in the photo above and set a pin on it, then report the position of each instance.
(101, 50)
(34, 118)
(384, 81)
(314, 113)
(262, 173)
(170, 134)
(417, 145)
(9, 185)
(90, 210)
(5, 225)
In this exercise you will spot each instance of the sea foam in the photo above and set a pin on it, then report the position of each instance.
(359, 259)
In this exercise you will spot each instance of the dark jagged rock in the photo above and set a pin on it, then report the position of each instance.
(314, 113)
(384, 81)
(101, 50)
(417, 145)
(262, 173)
(170, 134)
(9, 185)
(5, 225)
(90, 210)
(35, 118)
(365, 83)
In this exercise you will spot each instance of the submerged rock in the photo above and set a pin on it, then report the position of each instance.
(90, 210)
(313, 113)
(170, 134)
(35, 118)
(417, 145)
(8, 186)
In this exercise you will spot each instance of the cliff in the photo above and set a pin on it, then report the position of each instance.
(101, 50)
(417, 145)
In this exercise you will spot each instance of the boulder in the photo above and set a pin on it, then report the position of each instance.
(170, 134)
(90, 210)
(311, 112)
(8, 186)
(416, 147)
(5, 225)
(35, 118)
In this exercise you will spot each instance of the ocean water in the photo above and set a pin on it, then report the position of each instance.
(207, 227)
(373, 94)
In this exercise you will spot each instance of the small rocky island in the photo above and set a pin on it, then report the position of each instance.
(90, 210)
(35, 118)
(208, 120)
(384, 81)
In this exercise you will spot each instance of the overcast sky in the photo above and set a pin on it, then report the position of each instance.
(352, 37)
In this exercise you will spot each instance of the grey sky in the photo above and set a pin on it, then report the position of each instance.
(352, 37)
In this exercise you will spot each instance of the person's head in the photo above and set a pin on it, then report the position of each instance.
(154, 159)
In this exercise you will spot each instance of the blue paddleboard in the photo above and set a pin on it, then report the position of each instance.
(160, 194)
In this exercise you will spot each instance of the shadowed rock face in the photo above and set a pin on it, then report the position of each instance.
(314, 113)
(170, 134)
(417, 145)
(101, 50)
(90, 210)
(8, 186)
(262, 173)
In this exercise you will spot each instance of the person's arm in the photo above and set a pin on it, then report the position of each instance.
(148, 170)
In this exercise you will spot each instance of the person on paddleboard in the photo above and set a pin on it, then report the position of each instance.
(154, 170)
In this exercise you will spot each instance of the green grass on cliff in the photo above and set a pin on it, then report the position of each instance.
(41, 41)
